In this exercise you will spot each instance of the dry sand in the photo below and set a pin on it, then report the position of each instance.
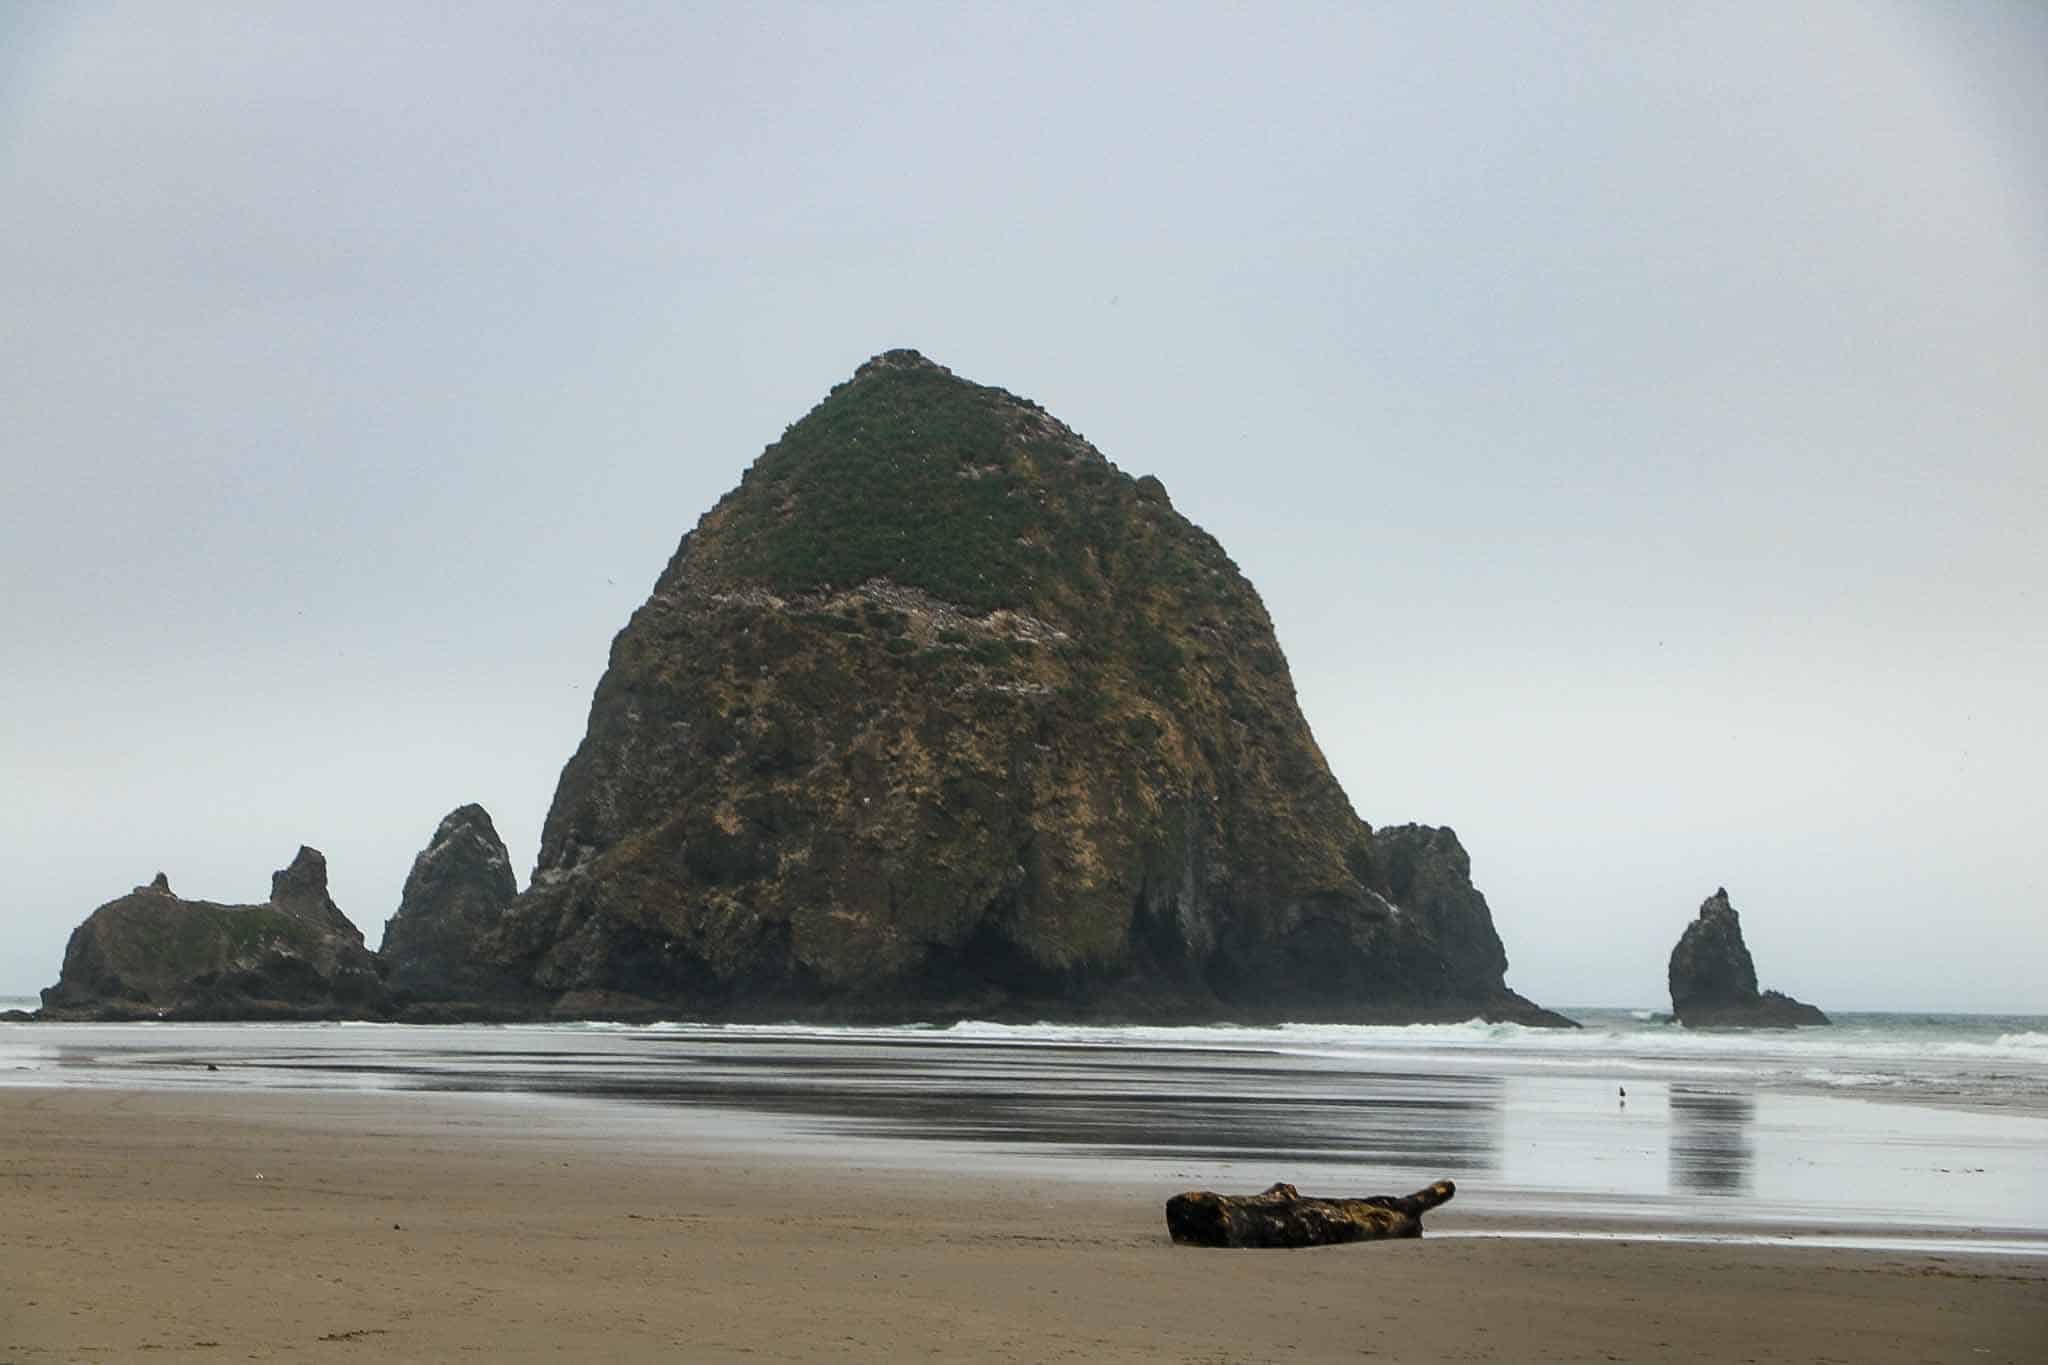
(165, 1226)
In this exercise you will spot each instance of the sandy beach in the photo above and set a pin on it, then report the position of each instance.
(166, 1226)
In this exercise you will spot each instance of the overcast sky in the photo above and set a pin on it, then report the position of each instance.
(1635, 416)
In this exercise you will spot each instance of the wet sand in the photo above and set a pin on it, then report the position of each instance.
(202, 1226)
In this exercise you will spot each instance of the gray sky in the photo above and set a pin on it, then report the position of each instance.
(1633, 416)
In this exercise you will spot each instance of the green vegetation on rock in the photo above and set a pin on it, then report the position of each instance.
(912, 481)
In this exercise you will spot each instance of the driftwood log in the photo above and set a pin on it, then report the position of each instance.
(1280, 1217)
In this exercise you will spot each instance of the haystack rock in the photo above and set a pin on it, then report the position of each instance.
(1713, 979)
(940, 714)
(152, 955)
(434, 948)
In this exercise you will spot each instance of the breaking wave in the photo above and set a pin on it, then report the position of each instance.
(1943, 1058)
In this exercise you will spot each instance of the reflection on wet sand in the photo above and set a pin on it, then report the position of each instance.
(1179, 1103)
(1711, 1147)
(1219, 1106)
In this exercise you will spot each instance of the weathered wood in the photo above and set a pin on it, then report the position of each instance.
(1280, 1217)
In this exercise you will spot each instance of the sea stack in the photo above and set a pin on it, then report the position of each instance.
(940, 714)
(435, 948)
(152, 955)
(1713, 980)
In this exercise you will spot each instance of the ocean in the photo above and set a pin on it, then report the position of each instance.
(1892, 1130)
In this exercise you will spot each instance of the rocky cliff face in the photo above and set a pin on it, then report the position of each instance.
(939, 713)
(1713, 980)
(151, 955)
(434, 947)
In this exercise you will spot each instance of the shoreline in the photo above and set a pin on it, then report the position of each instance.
(777, 1013)
(1624, 1066)
(721, 1134)
(302, 1225)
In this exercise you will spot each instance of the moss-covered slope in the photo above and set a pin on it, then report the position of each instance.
(940, 713)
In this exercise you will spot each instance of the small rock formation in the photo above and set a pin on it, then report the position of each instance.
(151, 955)
(1427, 871)
(1713, 980)
(301, 891)
(1281, 1217)
(458, 889)
(939, 714)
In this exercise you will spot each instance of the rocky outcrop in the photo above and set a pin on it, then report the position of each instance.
(434, 948)
(1426, 871)
(940, 714)
(1713, 979)
(152, 955)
